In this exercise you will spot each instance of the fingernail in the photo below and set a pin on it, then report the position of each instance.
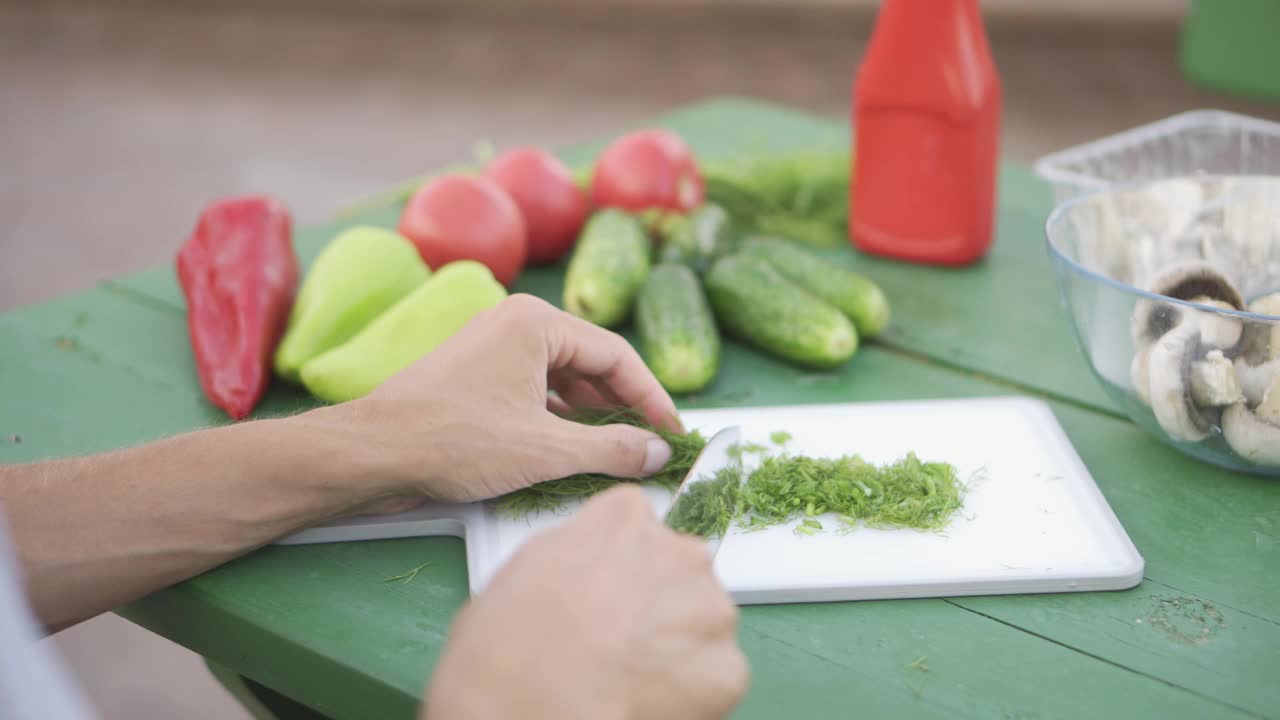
(656, 454)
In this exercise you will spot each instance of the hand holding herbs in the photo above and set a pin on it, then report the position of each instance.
(627, 610)
(473, 419)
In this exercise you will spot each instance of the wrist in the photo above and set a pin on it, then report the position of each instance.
(331, 452)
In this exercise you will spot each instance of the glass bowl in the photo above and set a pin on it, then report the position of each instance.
(1173, 290)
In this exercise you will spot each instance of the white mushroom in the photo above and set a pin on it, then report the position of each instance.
(1169, 370)
(1153, 319)
(1269, 408)
(1259, 362)
(1255, 435)
(1213, 381)
(1217, 330)
(1187, 281)
(1255, 379)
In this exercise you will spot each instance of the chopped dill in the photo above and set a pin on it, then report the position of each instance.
(908, 493)
(708, 507)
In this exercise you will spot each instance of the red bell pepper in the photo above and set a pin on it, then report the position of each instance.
(239, 274)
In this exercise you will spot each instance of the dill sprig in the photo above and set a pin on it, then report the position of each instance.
(553, 495)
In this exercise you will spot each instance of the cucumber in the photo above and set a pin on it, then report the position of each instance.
(697, 238)
(756, 303)
(678, 336)
(856, 295)
(607, 269)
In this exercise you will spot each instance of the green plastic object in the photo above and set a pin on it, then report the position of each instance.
(1231, 45)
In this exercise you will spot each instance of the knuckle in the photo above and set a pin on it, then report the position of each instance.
(623, 445)
(522, 308)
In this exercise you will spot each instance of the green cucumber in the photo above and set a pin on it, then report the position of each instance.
(607, 268)
(856, 295)
(678, 336)
(756, 303)
(697, 238)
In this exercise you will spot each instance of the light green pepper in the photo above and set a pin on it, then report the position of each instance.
(410, 329)
(359, 274)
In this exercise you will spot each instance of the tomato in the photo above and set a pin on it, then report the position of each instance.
(647, 169)
(459, 217)
(553, 206)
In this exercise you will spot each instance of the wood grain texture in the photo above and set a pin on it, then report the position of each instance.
(1197, 639)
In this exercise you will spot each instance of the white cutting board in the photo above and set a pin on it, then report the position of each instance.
(1033, 520)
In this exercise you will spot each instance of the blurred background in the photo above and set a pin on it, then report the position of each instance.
(120, 120)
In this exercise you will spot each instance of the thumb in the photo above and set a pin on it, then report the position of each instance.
(617, 450)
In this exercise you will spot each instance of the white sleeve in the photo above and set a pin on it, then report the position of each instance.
(34, 685)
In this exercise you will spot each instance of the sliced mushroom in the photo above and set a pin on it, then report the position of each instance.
(1217, 330)
(1269, 408)
(1188, 281)
(1255, 379)
(1253, 437)
(1262, 339)
(1169, 370)
(1259, 362)
(1213, 381)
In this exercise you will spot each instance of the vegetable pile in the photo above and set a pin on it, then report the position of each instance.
(685, 251)
(689, 253)
(782, 488)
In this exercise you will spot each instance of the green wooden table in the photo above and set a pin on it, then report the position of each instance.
(1199, 638)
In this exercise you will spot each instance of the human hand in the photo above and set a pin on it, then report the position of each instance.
(610, 615)
(473, 419)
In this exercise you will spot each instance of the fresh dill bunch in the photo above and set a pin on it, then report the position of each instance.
(554, 494)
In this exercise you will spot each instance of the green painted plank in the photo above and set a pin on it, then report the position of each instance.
(914, 659)
(1194, 643)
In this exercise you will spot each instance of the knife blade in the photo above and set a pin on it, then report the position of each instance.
(717, 455)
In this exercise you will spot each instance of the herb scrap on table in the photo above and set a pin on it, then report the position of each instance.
(407, 577)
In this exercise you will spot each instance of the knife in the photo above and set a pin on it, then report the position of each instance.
(717, 455)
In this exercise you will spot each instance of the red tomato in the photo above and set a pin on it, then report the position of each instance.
(647, 169)
(459, 217)
(553, 206)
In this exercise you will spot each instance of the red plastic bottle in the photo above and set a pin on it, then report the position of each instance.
(926, 124)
